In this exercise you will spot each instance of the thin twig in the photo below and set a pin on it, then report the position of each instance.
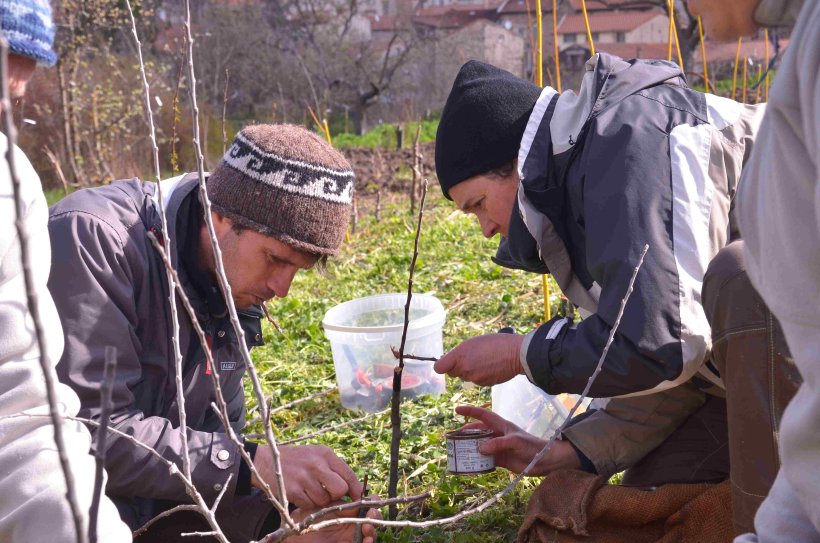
(288, 405)
(165, 251)
(106, 407)
(32, 296)
(331, 428)
(223, 279)
(271, 319)
(395, 413)
(224, 111)
(357, 538)
(221, 493)
(497, 497)
(398, 355)
(313, 518)
(167, 513)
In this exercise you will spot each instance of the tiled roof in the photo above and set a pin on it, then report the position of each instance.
(606, 5)
(607, 22)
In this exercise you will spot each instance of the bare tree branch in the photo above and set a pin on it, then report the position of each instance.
(395, 413)
(223, 280)
(106, 406)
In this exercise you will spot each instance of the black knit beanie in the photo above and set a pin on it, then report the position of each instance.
(482, 123)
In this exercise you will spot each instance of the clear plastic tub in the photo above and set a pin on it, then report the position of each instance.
(361, 333)
(532, 409)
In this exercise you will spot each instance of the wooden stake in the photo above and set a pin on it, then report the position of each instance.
(703, 56)
(533, 51)
(555, 45)
(734, 72)
(677, 46)
(670, 8)
(539, 56)
(766, 83)
(745, 65)
(327, 131)
(759, 76)
(589, 30)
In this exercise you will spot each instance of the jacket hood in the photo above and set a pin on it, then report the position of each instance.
(613, 78)
(778, 12)
(561, 120)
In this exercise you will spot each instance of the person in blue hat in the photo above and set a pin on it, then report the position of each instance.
(33, 504)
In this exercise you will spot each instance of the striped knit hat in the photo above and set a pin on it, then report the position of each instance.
(29, 29)
(286, 182)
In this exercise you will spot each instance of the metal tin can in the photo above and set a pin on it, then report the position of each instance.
(463, 457)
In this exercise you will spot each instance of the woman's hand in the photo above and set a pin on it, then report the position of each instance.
(484, 360)
(514, 448)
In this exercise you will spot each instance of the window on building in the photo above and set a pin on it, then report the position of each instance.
(570, 38)
(596, 36)
(620, 37)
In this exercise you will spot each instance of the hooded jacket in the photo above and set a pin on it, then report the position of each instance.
(110, 288)
(635, 158)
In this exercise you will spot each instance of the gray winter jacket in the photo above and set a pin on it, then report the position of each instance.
(635, 158)
(110, 288)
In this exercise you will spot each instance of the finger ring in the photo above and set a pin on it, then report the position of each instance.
(323, 486)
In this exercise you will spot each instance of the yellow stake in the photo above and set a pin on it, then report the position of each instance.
(677, 46)
(589, 30)
(703, 56)
(734, 73)
(745, 64)
(546, 285)
(759, 75)
(766, 87)
(327, 131)
(670, 6)
(539, 35)
(555, 44)
(539, 71)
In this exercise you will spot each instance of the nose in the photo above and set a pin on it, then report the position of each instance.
(488, 227)
(280, 280)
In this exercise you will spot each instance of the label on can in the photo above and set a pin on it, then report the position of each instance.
(462, 452)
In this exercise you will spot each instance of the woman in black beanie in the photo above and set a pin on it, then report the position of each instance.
(577, 184)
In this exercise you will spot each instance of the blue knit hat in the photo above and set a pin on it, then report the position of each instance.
(29, 29)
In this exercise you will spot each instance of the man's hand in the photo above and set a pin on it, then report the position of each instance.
(314, 475)
(514, 448)
(342, 533)
(484, 360)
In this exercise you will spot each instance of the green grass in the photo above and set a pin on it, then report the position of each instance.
(454, 264)
(385, 135)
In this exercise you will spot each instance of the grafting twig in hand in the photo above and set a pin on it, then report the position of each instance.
(395, 414)
(32, 296)
(412, 356)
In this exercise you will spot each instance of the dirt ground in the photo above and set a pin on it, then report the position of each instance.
(388, 169)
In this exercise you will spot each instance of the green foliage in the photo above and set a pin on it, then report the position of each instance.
(384, 135)
(454, 265)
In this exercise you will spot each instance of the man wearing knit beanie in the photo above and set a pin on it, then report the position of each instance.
(280, 202)
(33, 504)
(577, 189)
